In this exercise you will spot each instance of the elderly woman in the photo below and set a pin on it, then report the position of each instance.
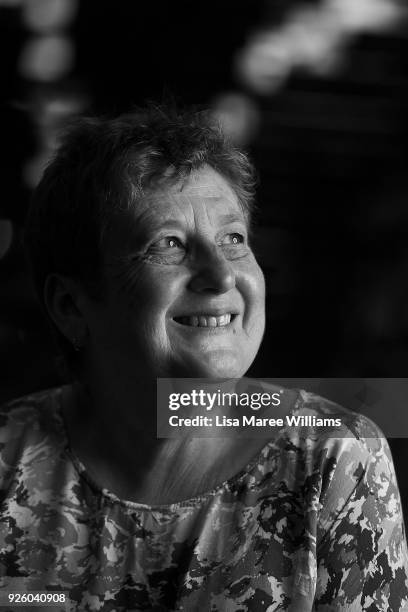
(138, 240)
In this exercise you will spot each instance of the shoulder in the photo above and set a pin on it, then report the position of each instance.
(27, 425)
(325, 438)
(335, 448)
(28, 412)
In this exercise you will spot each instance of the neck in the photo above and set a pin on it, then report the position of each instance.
(113, 432)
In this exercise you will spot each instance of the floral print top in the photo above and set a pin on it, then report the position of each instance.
(313, 523)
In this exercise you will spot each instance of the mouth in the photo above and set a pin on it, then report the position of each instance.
(206, 320)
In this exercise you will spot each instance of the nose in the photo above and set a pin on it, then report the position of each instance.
(213, 274)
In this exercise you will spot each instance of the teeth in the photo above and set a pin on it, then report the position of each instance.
(206, 321)
(224, 320)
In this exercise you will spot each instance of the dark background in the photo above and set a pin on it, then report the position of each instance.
(331, 150)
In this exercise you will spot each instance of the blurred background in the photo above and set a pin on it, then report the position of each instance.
(317, 91)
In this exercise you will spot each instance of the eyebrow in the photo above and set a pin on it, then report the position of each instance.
(232, 217)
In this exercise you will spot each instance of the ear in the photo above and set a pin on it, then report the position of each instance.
(62, 297)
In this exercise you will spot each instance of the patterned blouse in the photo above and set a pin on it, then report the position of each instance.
(314, 522)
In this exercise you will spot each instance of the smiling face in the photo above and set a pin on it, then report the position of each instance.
(185, 295)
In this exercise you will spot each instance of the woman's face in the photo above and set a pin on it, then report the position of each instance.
(185, 295)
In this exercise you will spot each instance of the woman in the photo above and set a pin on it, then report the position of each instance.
(138, 240)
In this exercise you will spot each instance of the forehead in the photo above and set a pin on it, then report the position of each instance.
(203, 190)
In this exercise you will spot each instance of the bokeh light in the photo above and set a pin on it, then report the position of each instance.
(42, 16)
(47, 58)
(314, 38)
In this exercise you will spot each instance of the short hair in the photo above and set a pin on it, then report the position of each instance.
(104, 165)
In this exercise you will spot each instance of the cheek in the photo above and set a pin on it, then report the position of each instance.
(147, 303)
(253, 292)
(252, 282)
(148, 293)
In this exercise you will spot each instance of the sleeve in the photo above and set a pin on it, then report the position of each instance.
(362, 560)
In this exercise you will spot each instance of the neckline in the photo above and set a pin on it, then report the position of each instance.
(112, 498)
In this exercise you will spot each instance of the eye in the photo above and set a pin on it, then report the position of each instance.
(168, 242)
(234, 245)
(166, 250)
(234, 239)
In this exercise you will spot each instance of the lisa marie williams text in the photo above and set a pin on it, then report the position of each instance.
(309, 420)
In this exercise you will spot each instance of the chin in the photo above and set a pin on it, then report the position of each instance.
(218, 365)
